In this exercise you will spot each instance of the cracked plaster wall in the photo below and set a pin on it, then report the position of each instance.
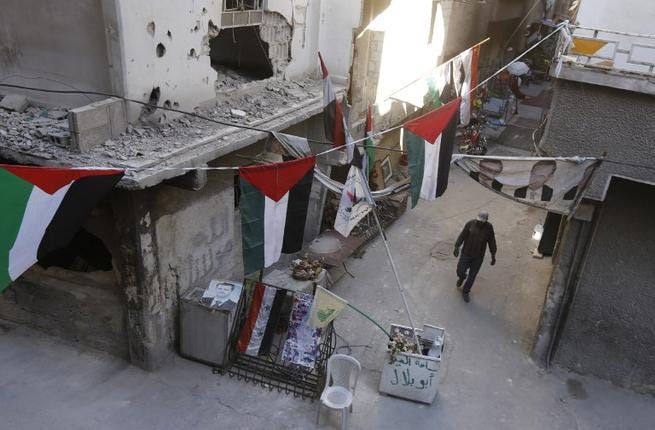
(172, 239)
(55, 44)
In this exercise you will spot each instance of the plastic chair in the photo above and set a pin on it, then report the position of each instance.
(341, 380)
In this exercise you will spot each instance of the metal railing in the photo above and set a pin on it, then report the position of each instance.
(241, 13)
(232, 5)
(613, 50)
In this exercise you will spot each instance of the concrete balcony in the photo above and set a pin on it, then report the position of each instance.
(610, 58)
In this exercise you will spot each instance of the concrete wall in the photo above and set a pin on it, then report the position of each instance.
(304, 16)
(338, 20)
(610, 329)
(172, 239)
(183, 73)
(590, 120)
(57, 44)
(634, 16)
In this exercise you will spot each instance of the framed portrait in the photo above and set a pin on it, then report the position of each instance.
(387, 173)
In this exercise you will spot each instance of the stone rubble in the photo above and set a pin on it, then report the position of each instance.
(44, 133)
(14, 102)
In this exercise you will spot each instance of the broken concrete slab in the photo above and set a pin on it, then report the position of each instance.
(93, 124)
(14, 102)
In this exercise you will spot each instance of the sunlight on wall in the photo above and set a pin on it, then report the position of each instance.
(410, 50)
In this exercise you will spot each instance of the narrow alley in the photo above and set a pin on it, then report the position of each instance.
(487, 379)
(322, 214)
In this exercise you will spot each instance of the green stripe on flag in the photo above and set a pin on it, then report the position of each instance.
(370, 152)
(15, 195)
(416, 153)
(252, 206)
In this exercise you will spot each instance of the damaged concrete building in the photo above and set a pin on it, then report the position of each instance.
(601, 293)
(167, 226)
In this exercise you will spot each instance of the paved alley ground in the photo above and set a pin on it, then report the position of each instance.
(487, 380)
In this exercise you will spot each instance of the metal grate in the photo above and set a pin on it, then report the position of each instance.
(269, 372)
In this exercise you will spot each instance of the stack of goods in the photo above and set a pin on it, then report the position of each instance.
(306, 269)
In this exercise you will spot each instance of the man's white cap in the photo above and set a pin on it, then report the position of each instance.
(483, 216)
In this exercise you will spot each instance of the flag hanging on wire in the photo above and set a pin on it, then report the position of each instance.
(274, 201)
(554, 184)
(325, 308)
(429, 141)
(333, 118)
(43, 208)
(370, 143)
(356, 201)
(465, 71)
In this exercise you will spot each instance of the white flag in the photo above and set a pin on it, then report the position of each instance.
(356, 202)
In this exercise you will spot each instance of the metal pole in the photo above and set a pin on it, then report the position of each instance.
(400, 286)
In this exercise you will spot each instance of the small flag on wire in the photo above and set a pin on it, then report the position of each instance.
(370, 143)
(325, 308)
(429, 141)
(356, 202)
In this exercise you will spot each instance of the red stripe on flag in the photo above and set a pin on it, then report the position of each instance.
(275, 180)
(51, 179)
(432, 124)
(475, 58)
(253, 313)
(324, 69)
(332, 112)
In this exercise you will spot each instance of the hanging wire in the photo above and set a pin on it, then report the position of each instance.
(247, 127)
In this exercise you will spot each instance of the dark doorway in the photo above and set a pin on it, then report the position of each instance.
(241, 50)
(85, 253)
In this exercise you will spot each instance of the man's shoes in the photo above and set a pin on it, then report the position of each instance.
(460, 281)
(466, 297)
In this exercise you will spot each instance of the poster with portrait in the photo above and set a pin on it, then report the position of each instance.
(554, 184)
(222, 295)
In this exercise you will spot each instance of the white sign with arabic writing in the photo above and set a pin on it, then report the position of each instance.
(411, 376)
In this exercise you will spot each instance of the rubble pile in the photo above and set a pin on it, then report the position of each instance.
(35, 130)
(44, 132)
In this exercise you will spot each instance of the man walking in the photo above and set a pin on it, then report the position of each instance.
(475, 237)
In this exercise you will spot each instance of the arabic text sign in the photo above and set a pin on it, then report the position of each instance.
(411, 376)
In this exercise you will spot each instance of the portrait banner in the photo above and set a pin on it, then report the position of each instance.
(555, 184)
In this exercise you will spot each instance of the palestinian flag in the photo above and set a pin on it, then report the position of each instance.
(43, 209)
(274, 200)
(429, 141)
(333, 118)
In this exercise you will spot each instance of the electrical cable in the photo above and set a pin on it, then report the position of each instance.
(169, 109)
(346, 345)
(246, 127)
